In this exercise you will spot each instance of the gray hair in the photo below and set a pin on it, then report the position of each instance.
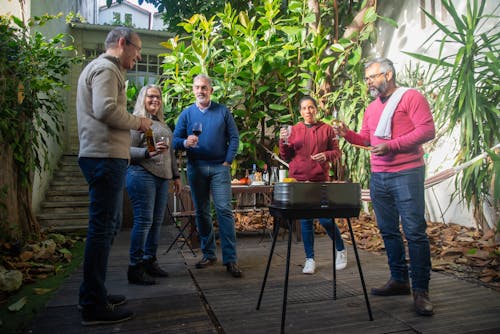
(205, 77)
(115, 35)
(140, 108)
(386, 65)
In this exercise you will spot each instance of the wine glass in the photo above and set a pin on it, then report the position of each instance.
(288, 129)
(197, 128)
(336, 122)
(165, 140)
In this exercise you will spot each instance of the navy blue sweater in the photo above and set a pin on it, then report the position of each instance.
(219, 139)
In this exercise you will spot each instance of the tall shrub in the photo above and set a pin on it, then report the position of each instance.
(32, 70)
(263, 63)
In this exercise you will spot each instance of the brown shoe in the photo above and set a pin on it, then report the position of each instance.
(423, 305)
(392, 288)
(205, 262)
(233, 269)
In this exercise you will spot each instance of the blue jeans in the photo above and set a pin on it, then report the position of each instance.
(331, 228)
(396, 195)
(106, 180)
(148, 194)
(216, 180)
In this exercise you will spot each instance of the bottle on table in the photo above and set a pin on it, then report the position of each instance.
(252, 175)
(265, 175)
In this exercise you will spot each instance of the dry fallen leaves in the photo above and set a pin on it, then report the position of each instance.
(462, 251)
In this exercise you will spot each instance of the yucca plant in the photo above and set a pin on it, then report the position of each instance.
(467, 83)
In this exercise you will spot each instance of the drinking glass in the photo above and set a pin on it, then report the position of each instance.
(288, 129)
(197, 128)
(165, 141)
(336, 122)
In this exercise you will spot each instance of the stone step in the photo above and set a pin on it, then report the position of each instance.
(70, 206)
(61, 186)
(64, 221)
(61, 194)
(66, 202)
(69, 177)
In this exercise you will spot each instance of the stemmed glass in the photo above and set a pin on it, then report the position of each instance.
(288, 129)
(336, 122)
(197, 128)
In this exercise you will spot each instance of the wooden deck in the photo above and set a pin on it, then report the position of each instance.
(210, 301)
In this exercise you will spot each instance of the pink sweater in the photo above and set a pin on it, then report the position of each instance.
(412, 125)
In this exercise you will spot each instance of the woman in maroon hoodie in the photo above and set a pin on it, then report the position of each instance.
(310, 148)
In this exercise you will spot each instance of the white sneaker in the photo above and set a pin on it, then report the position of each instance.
(309, 267)
(341, 260)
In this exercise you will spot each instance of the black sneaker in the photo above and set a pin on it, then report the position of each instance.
(114, 300)
(153, 269)
(99, 315)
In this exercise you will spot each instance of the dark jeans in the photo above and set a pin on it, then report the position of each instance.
(106, 180)
(401, 195)
(148, 194)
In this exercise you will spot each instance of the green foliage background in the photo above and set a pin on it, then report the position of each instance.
(263, 64)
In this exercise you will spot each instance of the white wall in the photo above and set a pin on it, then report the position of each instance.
(12, 7)
(158, 22)
(140, 18)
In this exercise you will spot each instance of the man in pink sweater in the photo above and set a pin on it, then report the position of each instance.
(395, 125)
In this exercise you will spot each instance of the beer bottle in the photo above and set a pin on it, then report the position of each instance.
(150, 140)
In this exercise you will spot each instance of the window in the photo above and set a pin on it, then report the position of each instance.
(147, 71)
(117, 18)
(128, 20)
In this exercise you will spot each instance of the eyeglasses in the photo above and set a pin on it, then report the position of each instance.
(134, 45)
(373, 76)
(152, 97)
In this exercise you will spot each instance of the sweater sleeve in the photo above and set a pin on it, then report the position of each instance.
(234, 137)
(363, 137)
(137, 152)
(419, 114)
(106, 86)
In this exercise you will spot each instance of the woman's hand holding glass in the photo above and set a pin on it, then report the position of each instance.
(285, 132)
(163, 144)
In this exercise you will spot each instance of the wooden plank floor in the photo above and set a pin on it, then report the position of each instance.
(210, 301)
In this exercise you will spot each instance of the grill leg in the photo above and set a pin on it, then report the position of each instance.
(360, 270)
(276, 229)
(334, 264)
(285, 292)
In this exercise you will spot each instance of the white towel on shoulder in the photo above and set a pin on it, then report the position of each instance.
(384, 129)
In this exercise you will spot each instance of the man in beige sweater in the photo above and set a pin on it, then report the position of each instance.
(104, 132)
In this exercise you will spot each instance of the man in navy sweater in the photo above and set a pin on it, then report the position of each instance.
(210, 154)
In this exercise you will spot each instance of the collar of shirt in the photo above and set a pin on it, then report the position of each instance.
(203, 110)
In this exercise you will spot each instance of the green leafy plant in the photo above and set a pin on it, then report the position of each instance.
(32, 70)
(466, 78)
(262, 64)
